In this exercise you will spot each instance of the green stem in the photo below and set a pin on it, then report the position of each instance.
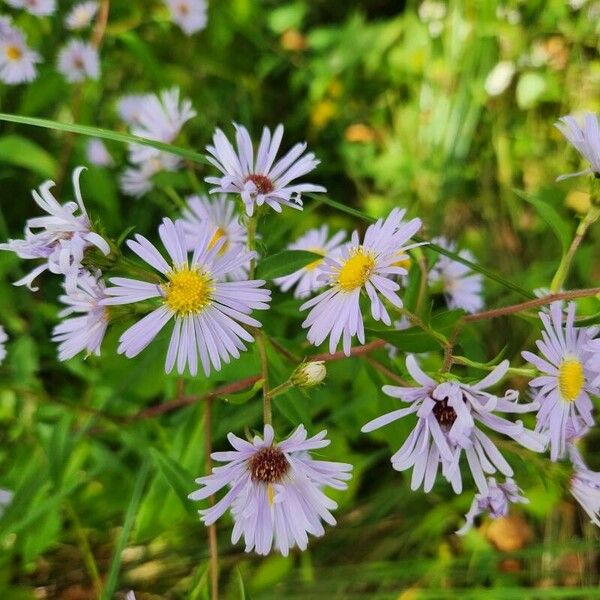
(286, 385)
(463, 360)
(174, 197)
(251, 228)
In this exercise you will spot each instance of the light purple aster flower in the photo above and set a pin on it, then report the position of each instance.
(39, 8)
(17, 60)
(496, 502)
(564, 387)
(86, 330)
(97, 153)
(259, 181)
(190, 15)
(462, 287)
(586, 140)
(137, 181)
(307, 278)
(81, 15)
(130, 107)
(367, 266)
(3, 340)
(275, 490)
(207, 310)
(585, 485)
(61, 238)
(449, 417)
(593, 361)
(78, 61)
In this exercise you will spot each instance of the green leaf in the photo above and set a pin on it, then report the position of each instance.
(21, 152)
(243, 397)
(284, 263)
(241, 585)
(106, 134)
(177, 477)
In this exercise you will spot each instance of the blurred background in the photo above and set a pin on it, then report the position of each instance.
(444, 108)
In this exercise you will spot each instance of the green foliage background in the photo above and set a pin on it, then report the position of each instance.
(399, 118)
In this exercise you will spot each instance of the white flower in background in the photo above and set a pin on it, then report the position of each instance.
(137, 181)
(6, 497)
(306, 280)
(275, 490)
(97, 153)
(39, 8)
(130, 595)
(3, 340)
(207, 310)
(81, 15)
(85, 330)
(585, 138)
(190, 15)
(499, 78)
(130, 107)
(449, 419)
(510, 15)
(496, 502)
(367, 266)
(60, 239)
(564, 387)
(433, 13)
(462, 287)
(78, 61)
(585, 486)
(257, 179)
(17, 60)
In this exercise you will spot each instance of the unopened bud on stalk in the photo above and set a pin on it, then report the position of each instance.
(309, 374)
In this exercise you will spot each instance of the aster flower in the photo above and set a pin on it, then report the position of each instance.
(257, 179)
(39, 8)
(130, 107)
(207, 311)
(78, 61)
(585, 485)
(462, 287)
(586, 140)
(306, 280)
(496, 502)
(449, 419)
(86, 330)
(593, 361)
(137, 181)
(60, 239)
(190, 15)
(3, 340)
(369, 266)
(275, 490)
(17, 60)
(81, 15)
(97, 153)
(563, 390)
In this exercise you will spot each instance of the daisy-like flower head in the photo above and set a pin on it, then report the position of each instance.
(368, 265)
(86, 330)
(275, 490)
(130, 107)
(17, 60)
(207, 310)
(260, 180)
(137, 181)
(564, 387)
(449, 419)
(190, 15)
(306, 280)
(3, 340)
(586, 140)
(461, 287)
(61, 238)
(78, 61)
(39, 8)
(97, 153)
(496, 502)
(585, 485)
(81, 15)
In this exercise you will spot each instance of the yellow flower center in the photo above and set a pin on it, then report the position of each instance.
(315, 263)
(570, 379)
(219, 233)
(188, 291)
(13, 52)
(356, 270)
(405, 262)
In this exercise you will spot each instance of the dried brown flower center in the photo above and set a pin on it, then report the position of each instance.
(263, 184)
(444, 414)
(268, 465)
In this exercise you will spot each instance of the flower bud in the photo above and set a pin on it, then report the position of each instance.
(309, 374)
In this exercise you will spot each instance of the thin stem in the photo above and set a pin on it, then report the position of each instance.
(385, 371)
(463, 360)
(212, 529)
(264, 370)
(251, 228)
(286, 385)
(423, 284)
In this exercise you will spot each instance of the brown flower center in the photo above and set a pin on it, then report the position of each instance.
(262, 182)
(444, 414)
(268, 465)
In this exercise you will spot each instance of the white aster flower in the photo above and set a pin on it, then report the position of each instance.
(462, 287)
(60, 239)
(586, 140)
(563, 390)
(78, 61)
(449, 419)
(499, 78)
(137, 181)
(207, 311)
(97, 153)
(496, 502)
(190, 15)
(3, 340)
(259, 181)
(275, 490)
(17, 60)
(306, 280)
(369, 265)
(39, 8)
(130, 107)
(86, 330)
(585, 486)
(81, 15)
